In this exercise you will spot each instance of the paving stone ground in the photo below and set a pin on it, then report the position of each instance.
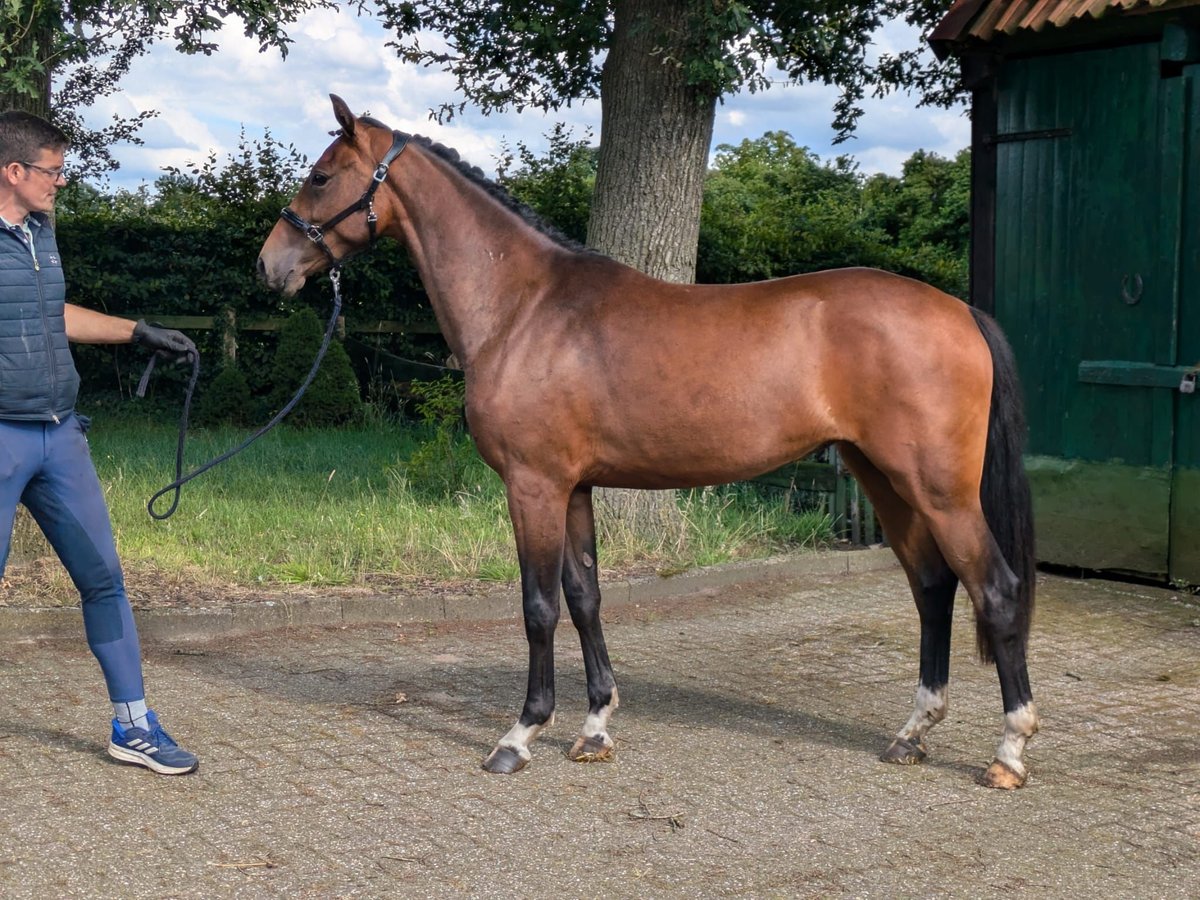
(344, 761)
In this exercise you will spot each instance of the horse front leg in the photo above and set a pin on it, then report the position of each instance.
(581, 585)
(538, 511)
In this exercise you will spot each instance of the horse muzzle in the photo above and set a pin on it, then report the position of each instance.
(286, 280)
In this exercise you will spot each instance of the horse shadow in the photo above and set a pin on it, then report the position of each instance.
(470, 704)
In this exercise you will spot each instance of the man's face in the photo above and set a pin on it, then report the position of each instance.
(35, 182)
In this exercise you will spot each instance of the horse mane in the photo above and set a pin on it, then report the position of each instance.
(496, 192)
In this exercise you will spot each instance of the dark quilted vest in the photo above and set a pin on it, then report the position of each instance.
(38, 380)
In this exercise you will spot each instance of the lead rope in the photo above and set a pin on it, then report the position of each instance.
(335, 276)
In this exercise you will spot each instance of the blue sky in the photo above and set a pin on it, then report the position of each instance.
(204, 102)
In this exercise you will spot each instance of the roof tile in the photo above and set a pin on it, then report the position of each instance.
(983, 20)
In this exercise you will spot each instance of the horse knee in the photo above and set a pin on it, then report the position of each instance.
(541, 620)
(585, 609)
(582, 590)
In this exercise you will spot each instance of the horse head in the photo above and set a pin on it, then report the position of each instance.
(322, 226)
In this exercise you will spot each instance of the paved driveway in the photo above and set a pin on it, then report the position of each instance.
(343, 761)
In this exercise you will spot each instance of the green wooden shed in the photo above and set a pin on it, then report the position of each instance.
(1086, 247)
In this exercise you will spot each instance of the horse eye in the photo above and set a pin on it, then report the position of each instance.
(319, 180)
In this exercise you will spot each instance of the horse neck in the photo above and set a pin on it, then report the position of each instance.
(474, 255)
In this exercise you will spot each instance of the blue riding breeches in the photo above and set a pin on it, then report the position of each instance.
(47, 466)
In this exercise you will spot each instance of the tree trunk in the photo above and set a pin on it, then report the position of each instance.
(22, 45)
(654, 141)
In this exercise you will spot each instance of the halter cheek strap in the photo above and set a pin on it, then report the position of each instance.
(316, 233)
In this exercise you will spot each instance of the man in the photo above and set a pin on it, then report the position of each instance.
(44, 459)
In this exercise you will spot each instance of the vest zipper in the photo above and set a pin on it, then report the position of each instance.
(49, 340)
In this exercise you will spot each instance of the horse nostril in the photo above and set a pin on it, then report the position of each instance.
(262, 269)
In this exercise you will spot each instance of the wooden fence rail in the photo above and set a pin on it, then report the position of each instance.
(232, 325)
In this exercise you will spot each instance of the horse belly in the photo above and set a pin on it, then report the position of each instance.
(710, 444)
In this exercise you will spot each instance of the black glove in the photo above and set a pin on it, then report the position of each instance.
(163, 340)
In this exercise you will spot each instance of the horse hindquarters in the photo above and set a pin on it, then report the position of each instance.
(958, 508)
(985, 534)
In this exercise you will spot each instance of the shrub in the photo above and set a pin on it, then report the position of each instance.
(227, 400)
(440, 465)
(332, 398)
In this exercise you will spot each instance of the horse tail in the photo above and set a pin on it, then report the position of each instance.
(1004, 492)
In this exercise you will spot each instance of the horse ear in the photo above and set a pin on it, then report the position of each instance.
(344, 116)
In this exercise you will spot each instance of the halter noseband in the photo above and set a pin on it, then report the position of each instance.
(316, 233)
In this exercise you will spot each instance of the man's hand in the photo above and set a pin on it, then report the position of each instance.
(165, 340)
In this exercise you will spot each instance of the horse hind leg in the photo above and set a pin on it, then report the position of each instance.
(933, 588)
(581, 586)
(964, 536)
(944, 502)
(933, 585)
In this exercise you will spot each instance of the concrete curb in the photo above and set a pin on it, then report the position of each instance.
(190, 624)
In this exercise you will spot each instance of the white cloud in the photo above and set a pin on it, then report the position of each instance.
(204, 102)
(887, 160)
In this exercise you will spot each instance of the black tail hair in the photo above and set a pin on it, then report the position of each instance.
(1004, 493)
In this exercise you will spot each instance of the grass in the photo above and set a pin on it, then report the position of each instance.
(353, 507)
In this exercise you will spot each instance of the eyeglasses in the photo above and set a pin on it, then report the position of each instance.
(54, 174)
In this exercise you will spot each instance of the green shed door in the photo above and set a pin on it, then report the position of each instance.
(1185, 492)
(1088, 209)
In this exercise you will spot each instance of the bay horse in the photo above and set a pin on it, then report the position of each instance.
(582, 372)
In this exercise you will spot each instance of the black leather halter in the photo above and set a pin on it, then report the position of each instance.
(316, 233)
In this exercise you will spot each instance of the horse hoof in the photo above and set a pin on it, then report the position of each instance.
(904, 753)
(504, 761)
(591, 749)
(1002, 777)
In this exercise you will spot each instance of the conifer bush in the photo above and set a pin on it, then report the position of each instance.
(228, 400)
(333, 397)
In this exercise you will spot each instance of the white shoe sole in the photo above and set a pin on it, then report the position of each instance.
(141, 759)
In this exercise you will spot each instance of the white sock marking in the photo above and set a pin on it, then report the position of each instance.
(929, 708)
(596, 724)
(1019, 726)
(520, 736)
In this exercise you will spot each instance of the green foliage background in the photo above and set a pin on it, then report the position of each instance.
(772, 208)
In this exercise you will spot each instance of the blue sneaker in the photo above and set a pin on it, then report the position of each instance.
(153, 749)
